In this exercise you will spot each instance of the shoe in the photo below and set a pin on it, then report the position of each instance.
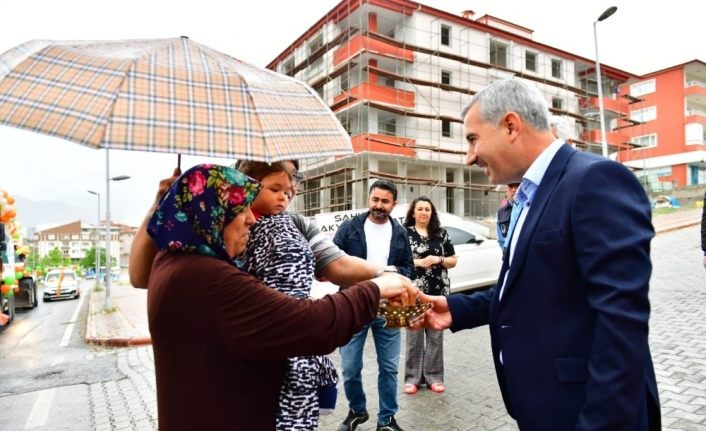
(392, 426)
(353, 420)
(437, 387)
(410, 389)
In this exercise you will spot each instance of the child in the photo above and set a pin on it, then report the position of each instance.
(278, 254)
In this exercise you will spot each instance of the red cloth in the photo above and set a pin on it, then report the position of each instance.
(220, 338)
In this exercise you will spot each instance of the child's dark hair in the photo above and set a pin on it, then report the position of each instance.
(260, 170)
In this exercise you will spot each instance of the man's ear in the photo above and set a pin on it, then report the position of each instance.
(512, 124)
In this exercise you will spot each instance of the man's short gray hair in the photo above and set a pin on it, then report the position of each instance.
(507, 95)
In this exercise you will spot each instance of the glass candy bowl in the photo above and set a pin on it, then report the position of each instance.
(399, 316)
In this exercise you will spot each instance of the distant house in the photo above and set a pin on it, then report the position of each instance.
(75, 238)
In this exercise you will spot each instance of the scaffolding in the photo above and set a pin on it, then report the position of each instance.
(398, 79)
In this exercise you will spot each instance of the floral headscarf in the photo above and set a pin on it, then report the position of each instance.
(198, 206)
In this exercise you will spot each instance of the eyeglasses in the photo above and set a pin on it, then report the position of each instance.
(298, 177)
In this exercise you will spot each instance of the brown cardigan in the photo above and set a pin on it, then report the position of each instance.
(220, 337)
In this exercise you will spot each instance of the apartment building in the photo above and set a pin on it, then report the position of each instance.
(668, 126)
(74, 239)
(397, 74)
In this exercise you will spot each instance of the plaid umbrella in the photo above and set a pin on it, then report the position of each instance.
(164, 95)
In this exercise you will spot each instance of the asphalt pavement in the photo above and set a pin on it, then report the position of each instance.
(476, 402)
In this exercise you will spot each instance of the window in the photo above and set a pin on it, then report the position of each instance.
(458, 236)
(644, 115)
(346, 123)
(449, 192)
(557, 103)
(556, 68)
(498, 53)
(288, 67)
(386, 82)
(316, 43)
(642, 88)
(387, 127)
(344, 82)
(446, 128)
(646, 141)
(531, 61)
(445, 35)
(446, 77)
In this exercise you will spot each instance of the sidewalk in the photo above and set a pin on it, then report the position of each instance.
(127, 324)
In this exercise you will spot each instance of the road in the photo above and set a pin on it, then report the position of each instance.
(47, 369)
(53, 381)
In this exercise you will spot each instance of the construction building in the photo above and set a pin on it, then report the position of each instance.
(398, 74)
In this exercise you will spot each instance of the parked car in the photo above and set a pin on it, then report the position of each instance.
(479, 258)
(61, 284)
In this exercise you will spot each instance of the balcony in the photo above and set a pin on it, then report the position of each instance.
(361, 43)
(695, 88)
(618, 106)
(378, 93)
(377, 143)
(615, 139)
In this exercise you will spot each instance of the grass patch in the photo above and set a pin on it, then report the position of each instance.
(656, 212)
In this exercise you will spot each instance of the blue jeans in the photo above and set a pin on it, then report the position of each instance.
(387, 347)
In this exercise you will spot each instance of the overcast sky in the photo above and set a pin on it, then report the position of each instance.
(639, 38)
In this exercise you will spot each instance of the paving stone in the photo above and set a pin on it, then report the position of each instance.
(472, 399)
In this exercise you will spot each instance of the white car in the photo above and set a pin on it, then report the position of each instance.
(61, 284)
(479, 258)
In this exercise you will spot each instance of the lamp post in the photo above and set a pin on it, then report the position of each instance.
(108, 305)
(604, 144)
(97, 245)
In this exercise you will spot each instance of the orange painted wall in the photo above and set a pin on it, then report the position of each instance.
(361, 43)
(669, 125)
(377, 143)
(379, 93)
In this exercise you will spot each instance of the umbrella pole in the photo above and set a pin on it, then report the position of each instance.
(179, 161)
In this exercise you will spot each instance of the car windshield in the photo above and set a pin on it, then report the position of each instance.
(54, 276)
(459, 236)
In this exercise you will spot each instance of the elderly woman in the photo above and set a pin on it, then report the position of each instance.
(220, 336)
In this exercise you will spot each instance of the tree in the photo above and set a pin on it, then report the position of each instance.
(89, 260)
(55, 258)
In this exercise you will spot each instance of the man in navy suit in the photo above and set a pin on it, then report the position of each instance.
(569, 315)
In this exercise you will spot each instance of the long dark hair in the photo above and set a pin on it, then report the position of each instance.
(434, 227)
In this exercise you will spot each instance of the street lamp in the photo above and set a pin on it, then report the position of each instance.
(604, 144)
(97, 245)
(108, 179)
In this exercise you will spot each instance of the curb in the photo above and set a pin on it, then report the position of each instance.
(92, 337)
(120, 342)
(676, 227)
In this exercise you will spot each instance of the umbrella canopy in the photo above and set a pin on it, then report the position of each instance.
(164, 95)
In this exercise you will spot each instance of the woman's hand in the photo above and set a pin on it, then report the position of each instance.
(397, 288)
(427, 262)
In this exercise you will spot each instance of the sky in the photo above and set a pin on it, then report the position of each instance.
(640, 38)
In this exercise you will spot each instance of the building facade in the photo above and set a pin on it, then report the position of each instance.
(74, 239)
(398, 74)
(668, 127)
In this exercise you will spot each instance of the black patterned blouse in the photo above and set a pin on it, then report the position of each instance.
(435, 279)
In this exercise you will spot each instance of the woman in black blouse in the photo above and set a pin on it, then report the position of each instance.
(433, 255)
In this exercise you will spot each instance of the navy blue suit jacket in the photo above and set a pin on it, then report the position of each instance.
(572, 324)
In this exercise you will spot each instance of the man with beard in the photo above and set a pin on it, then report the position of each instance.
(381, 240)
